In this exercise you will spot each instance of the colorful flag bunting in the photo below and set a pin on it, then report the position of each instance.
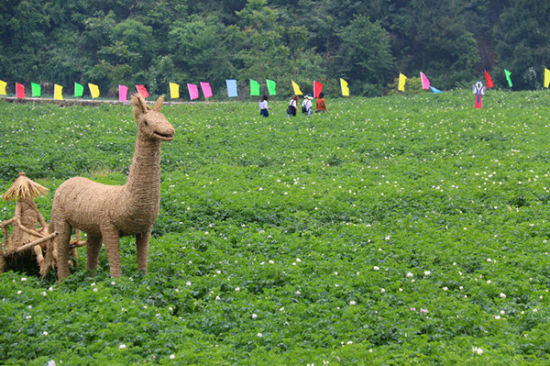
(425, 81)
(206, 89)
(434, 90)
(254, 88)
(231, 88)
(344, 87)
(402, 81)
(546, 77)
(57, 92)
(317, 88)
(193, 91)
(296, 88)
(94, 90)
(142, 90)
(78, 90)
(174, 90)
(36, 90)
(122, 92)
(271, 85)
(3, 85)
(507, 74)
(19, 90)
(488, 80)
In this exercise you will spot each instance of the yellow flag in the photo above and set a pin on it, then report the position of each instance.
(174, 91)
(402, 80)
(546, 77)
(3, 87)
(344, 86)
(57, 92)
(296, 88)
(94, 90)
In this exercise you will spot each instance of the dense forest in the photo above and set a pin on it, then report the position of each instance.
(366, 42)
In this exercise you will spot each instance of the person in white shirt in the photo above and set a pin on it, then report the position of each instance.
(264, 107)
(307, 106)
(292, 106)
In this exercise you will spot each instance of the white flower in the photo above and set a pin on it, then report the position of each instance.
(445, 288)
(51, 363)
(376, 268)
(45, 333)
(502, 312)
(172, 356)
(477, 350)
(427, 273)
(497, 317)
(382, 290)
(259, 335)
(254, 316)
(535, 310)
(188, 283)
(409, 274)
(352, 302)
(237, 289)
(122, 346)
(23, 279)
(298, 260)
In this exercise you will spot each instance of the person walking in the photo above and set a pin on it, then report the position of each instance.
(292, 106)
(307, 106)
(321, 105)
(264, 108)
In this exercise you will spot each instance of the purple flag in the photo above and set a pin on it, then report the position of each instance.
(193, 91)
(122, 92)
(206, 89)
(425, 81)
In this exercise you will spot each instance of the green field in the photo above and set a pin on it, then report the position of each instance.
(394, 230)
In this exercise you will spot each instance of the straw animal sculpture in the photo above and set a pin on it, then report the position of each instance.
(26, 234)
(107, 212)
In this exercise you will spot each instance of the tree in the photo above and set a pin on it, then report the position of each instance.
(522, 37)
(365, 56)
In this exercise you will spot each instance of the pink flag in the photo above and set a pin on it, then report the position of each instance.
(193, 91)
(122, 92)
(206, 89)
(425, 81)
(317, 88)
(142, 90)
(19, 90)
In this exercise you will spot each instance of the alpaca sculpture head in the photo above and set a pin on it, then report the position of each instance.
(150, 121)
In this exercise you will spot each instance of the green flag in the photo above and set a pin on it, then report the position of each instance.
(78, 90)
(271, 87)
(254, 88)
(508, 73)
(36, 90)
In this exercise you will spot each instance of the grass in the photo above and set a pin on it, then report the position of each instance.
(395, 230)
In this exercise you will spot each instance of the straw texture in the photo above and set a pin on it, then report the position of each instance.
(26, 218)
(107, 212)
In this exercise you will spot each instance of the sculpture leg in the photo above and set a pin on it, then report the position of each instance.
(62, 241)
(111, 239)
(94, 247)
(39, 256)
(142, 244)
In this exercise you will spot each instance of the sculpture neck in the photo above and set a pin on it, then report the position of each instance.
(144, 175)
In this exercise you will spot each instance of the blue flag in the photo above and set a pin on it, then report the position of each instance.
(231, 88)
(435, 90)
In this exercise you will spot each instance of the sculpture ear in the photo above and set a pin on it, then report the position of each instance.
(158, 104)
(140, 106)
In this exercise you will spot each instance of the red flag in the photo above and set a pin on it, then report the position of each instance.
(488, 80)
(19, 90)
(317, 88)
(142, 90)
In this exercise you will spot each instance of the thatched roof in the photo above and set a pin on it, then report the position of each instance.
(23, 187)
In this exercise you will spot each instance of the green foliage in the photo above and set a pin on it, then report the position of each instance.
(393, 230)
(365, 42)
